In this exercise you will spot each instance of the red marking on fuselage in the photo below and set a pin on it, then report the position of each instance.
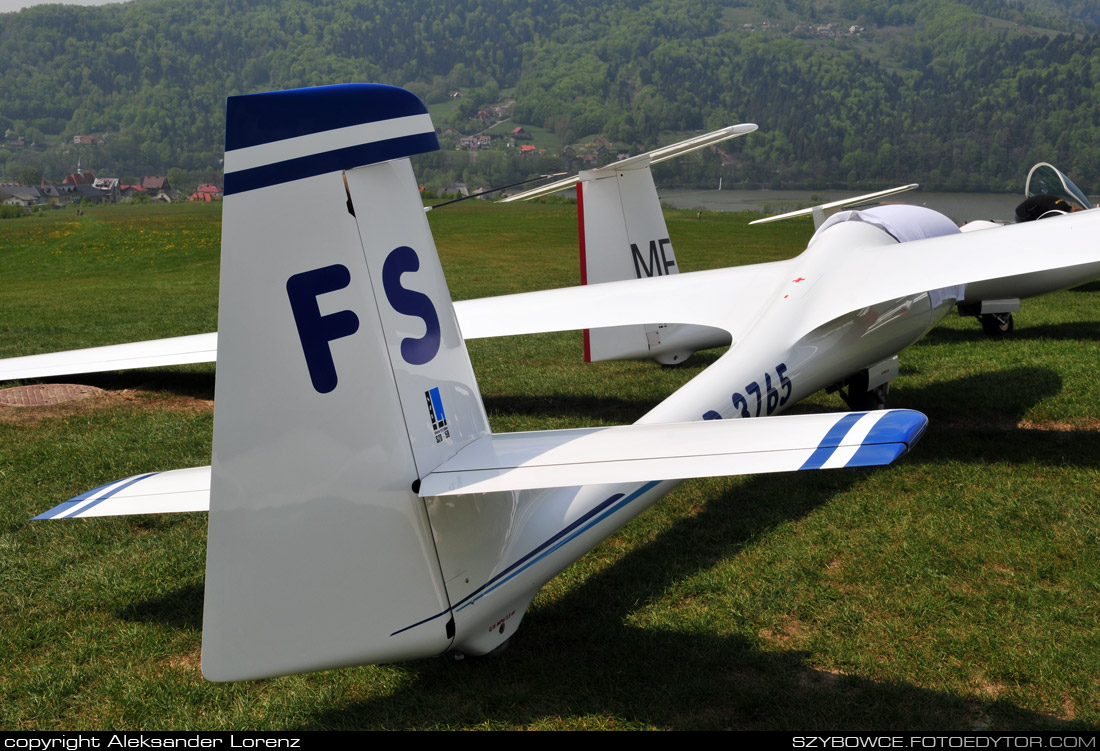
(584, 263)
(502, 621)
(799, 279)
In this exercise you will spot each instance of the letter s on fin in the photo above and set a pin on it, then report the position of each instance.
(411, 303)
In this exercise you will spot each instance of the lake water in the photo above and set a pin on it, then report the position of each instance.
(962, 207)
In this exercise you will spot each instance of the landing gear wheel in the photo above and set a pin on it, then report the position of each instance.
(861, 399)
(997, 324)
(868, 401)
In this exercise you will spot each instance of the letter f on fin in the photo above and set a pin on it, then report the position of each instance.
(316, 330)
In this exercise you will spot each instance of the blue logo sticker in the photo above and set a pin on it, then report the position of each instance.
(436, 414)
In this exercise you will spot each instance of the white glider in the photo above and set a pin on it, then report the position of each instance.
(361, 510)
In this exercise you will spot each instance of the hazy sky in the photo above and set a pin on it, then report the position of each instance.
(7, 6)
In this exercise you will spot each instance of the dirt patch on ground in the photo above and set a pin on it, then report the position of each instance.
(167, 402)
(1069, 708)
(789, 632)
(990, 689)
(46, 394)
(92, 399)
(1084, 425)
(1087, 424)
(189, 663)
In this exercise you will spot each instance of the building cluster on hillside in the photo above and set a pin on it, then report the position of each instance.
(494, 113)
(83, 187)
(482, 141)
(828, 30)
(594, 153)
(823, 30)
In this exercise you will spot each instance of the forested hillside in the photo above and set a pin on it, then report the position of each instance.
(960, 94)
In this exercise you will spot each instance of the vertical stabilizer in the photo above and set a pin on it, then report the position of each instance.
(623, 236)
(341, 378)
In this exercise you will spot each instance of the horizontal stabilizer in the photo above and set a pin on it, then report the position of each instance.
(640, 160)
(676, 451)
(820, 210)
(180, 350)
(563, 458)
(177, 491)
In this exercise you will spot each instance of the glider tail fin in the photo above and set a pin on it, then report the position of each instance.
(342, 379)
(623, 236)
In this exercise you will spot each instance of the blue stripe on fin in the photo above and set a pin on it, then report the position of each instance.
(328, 161)
(254, 119)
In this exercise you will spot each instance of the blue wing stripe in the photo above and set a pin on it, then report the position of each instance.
(63, 510)
(877, 454)
(831, 440)
(900, 425)
(328, 161)
(890, 438)
(65, 506)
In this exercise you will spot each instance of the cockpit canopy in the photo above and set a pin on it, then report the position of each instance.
(1046, 179)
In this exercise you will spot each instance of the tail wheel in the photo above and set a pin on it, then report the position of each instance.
(997, 324)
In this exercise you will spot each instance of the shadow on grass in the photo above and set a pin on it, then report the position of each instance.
(978, 419)
(567, 405)
(579, 657)
(197, 383)
(997, 398)
(181, 608)
(1075, 331)
(1089, 287)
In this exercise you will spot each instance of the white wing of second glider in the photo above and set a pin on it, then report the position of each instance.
(1016, 261)
(180, 350)
(564, 458)
(726, 299)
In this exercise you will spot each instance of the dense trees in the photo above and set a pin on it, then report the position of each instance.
(967, 97)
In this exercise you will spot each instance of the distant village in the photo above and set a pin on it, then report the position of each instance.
(582, 156)
(802, 28)
(83, 187)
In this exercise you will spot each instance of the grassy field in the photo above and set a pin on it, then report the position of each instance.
(957, 589)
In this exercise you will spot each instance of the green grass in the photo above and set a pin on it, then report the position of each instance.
(955, 589)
